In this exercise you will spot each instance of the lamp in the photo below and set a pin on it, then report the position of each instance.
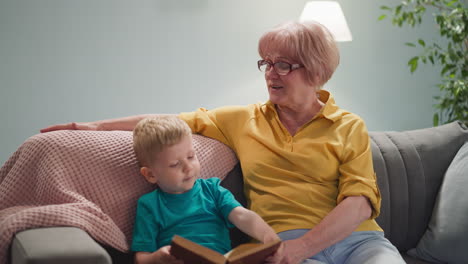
(329, 14)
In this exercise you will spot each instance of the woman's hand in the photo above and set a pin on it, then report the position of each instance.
(72, 126)
(290, 252)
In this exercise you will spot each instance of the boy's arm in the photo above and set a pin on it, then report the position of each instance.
(161, 255)
(252, 224)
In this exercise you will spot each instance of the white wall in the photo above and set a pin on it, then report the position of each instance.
(68, 60)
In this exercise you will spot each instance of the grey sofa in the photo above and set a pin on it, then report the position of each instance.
(410, 167)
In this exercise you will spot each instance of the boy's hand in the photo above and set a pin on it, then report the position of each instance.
(270, 237)
(162, 255)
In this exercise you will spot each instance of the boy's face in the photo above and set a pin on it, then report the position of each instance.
(175, 168)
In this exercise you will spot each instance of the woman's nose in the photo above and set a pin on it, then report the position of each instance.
(271, 73)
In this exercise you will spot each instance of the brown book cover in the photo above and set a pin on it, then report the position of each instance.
(250, 253)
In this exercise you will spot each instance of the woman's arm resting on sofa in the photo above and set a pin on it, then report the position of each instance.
(124, 123)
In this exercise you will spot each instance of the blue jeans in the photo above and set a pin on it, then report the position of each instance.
(363, 247)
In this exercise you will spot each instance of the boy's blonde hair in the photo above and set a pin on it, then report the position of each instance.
(151, 135)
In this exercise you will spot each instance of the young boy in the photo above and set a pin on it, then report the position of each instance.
(197, 209)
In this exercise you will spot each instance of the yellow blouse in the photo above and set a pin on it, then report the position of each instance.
(293, 182)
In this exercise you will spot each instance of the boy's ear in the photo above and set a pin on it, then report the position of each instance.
(148, 174)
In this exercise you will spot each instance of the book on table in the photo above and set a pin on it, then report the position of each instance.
(249, 253)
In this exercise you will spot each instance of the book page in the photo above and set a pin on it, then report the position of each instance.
(252, 253)
(241, 249)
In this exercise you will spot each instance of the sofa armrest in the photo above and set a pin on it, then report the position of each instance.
(57, 245)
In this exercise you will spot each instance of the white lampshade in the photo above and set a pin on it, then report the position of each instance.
(329, 14)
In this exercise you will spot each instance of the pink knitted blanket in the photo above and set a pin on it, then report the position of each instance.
(85, 179)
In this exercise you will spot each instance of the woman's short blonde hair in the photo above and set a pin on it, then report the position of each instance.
(307, 43)
(151, 135)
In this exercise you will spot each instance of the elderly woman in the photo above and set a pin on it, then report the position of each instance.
(307, 163)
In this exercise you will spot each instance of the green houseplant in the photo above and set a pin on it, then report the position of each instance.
(451, 17)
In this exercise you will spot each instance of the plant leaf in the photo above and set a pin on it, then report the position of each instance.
(452, 23)
(421, 42)
(397, 10)
(431, 58)
(413, 63)
(451, 3)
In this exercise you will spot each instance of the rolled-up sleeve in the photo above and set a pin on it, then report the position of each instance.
(357, 176)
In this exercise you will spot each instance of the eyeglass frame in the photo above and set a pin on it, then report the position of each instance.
(292, 67)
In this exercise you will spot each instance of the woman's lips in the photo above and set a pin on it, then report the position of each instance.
(276, 87)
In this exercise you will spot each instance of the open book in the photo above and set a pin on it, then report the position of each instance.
(250, 253)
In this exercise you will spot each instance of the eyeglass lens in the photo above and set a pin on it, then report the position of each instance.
(280, 67)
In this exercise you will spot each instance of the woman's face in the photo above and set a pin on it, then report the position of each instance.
(291, 90)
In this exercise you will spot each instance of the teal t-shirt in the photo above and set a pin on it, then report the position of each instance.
(200, 215)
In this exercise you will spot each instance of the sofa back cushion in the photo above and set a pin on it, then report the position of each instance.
(410, 167)
(445, 239)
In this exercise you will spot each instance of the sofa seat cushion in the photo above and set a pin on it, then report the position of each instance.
(57, 245)
(410, 260)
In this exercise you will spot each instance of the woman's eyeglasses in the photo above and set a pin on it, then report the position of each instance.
(281, 67)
